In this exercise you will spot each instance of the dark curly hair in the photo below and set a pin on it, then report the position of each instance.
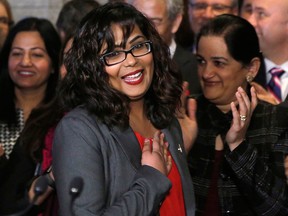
(87, 82)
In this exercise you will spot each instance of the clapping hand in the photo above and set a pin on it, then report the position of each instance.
(187, 119)
(241, 117)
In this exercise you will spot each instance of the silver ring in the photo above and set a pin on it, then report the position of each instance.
(242, 117)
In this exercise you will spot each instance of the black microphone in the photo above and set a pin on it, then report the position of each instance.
(75, 189)
(40, 187)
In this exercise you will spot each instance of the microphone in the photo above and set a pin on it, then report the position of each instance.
(75, 189)
(40, 187)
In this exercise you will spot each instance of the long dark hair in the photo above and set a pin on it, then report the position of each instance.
(87, 81)
(45, 114)
(52, 44)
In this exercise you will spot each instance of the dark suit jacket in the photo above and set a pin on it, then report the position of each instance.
(187, 65)
(109, 162)
(261, 75)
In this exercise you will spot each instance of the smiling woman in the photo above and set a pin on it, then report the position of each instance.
(123, 95)
(236, 162)
(28, 79)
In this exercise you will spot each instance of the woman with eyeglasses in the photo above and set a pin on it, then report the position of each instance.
(120, 149)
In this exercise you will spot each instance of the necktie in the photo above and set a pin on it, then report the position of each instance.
(274, 85)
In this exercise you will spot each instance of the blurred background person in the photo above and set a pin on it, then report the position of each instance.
(166, 15)
(245, 8)
(38, 133)
(201, 11)
(71, 14)
(236, 162)
(185, 36)
(270, 20)
(6, 20)
(29, 76)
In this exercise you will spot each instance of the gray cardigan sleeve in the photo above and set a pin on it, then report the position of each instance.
(80, 149)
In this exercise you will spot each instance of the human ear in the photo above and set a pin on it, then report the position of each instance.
(253, 69)
(176, 23)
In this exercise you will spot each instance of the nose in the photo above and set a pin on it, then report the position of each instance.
(130, 60)
(209, 13)
(206, 72)
(26, 60)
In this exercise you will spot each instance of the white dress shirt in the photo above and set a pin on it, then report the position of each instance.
(283, 79)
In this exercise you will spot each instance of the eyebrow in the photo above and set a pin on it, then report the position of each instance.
(213, 57)
(131, 41)
(33, 48)
(259, 8)
(248, 5)
(219, 58)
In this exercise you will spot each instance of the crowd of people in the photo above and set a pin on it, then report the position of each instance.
(109, 112)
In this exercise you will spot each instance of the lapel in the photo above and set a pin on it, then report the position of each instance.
(173, 135)
(129, 144)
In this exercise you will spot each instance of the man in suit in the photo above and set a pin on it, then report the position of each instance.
(269, 17)
(201, 11)
(166, 15)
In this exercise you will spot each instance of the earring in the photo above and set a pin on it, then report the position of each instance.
(249, 78)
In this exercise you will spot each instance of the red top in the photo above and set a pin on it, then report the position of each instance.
(47, 150)
(174, 201)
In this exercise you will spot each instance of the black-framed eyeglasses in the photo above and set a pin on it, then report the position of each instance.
(116, 57)
(216, 8)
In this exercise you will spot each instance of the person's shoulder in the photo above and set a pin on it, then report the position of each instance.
(79, 114)
(276, 115)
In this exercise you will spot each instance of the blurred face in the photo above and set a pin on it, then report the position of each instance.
(156, 11)
(246, 9)
(220, 75)
(68, 46)
(29, 63)
(269, 17)
(132, 76)
(201, 11)
(4, 24)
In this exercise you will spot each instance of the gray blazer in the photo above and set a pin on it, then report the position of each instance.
(109, 162)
